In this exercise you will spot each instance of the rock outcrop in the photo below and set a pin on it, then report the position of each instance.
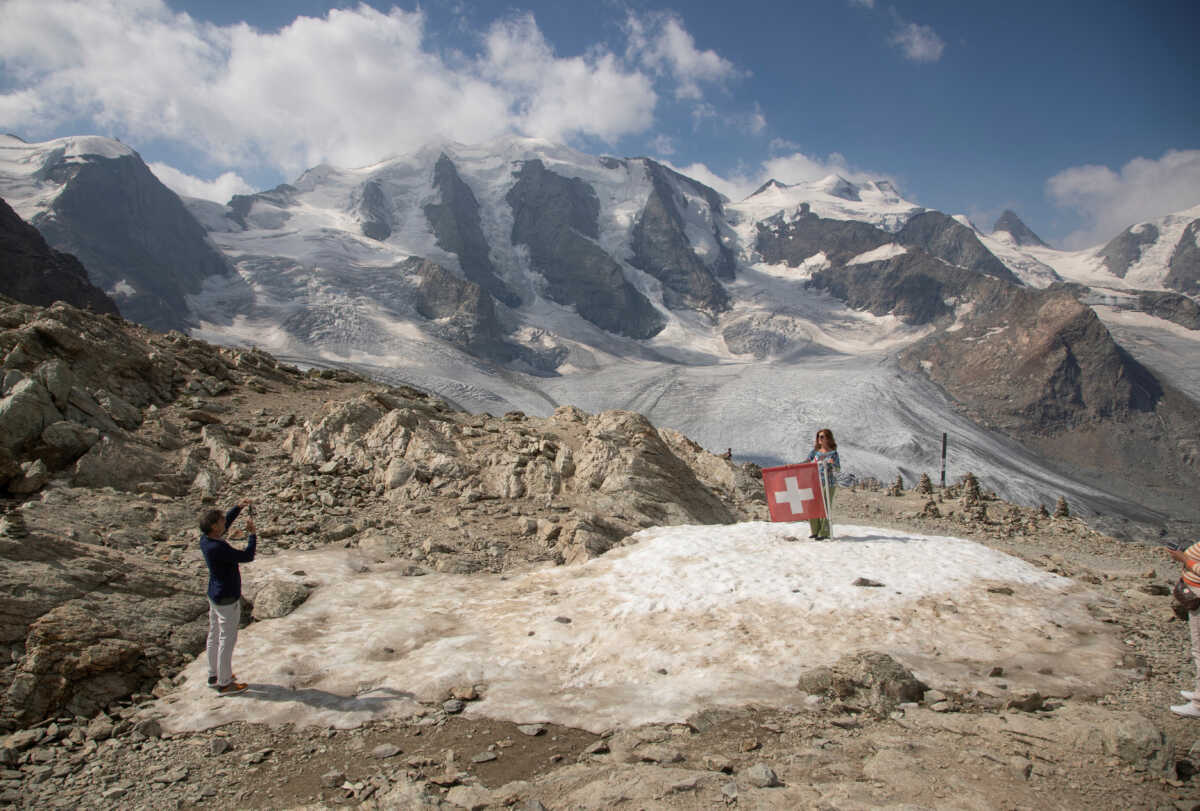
(557, 218)
(1184, 274)
(1125, 249)
(661, 248)
(35, 273)
(455, 221)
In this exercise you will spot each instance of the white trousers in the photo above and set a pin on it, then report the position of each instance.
(1194, 627)
(222, 636)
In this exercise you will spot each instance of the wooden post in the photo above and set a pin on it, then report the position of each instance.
(943, 460)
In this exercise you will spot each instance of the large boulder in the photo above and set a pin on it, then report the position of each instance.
(24, 413)
(278, 598)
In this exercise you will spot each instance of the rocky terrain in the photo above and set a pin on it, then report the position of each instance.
(115, 436)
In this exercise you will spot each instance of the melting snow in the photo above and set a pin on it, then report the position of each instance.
(685, 618)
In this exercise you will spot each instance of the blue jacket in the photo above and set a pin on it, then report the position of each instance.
(224, 578)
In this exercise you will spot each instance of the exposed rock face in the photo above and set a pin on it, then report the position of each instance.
(557, 217)
(1172, 306)
(463, 311)
(133, 235)
(1126, 248)
(1019, 231)
(267, 209)
(455, 222)
(35, 273)
(662, 249)
(913, 286)
(91, 624)
(1037, 359)
(945, 238)
(1185, 262)
(373, 209)
(793, 241)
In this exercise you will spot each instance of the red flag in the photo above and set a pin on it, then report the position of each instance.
(794, 492)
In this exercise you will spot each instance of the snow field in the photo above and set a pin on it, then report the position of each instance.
(685, 618)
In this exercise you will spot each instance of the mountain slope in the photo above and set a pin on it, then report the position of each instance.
(33, 272)
(97, 200)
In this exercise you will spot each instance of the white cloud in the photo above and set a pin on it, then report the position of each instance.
(348, 88)
(918, 43)
(660, 42)
(663, 145)
(555, 98)
(219, 190)
(1142, 190)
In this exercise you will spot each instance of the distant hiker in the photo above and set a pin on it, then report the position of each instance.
(728, 454)
(224, 591)
(825, 454)
(1190, 558)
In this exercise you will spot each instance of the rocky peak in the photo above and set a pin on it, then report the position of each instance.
(944, 237)
(1125, 249)
(661, 248)
(1021, 234)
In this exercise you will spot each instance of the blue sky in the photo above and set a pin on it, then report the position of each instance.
(1082, 117)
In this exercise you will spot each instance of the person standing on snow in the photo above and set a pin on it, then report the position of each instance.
(224, 591)
(825, 454)
(1190, 558)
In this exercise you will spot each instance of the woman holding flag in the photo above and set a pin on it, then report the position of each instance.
(825, 454)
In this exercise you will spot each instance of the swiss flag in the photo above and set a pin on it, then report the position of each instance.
(794, 492)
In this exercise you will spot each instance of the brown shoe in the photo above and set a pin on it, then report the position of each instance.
(233, 688)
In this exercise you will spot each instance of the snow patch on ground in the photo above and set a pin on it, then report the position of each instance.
(686, 618)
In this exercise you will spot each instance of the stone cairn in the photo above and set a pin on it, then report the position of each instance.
(971, 495)
(1060, 509)
(925, 485)
(897, 487)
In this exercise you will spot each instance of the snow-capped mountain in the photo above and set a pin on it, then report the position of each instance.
(522, 274)
(94, 198)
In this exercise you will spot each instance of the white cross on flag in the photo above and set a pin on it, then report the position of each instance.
(794, 492)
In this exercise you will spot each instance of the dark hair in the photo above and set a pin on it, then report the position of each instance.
(832, 441)
(209, 519)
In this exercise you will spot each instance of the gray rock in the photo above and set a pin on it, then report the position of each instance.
(1137, 741)
(24, 414)
(219, 746)
(278, 598)
(58, 379)
(70, 439)
(1026, 701)
(474, 798)
(100, 728)
(333, 778)
(123, 414)
(385, 750)
(484, 757)
(762, 776)
(33, 477)
(532, 730)
(453, 706)
(149, 727)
